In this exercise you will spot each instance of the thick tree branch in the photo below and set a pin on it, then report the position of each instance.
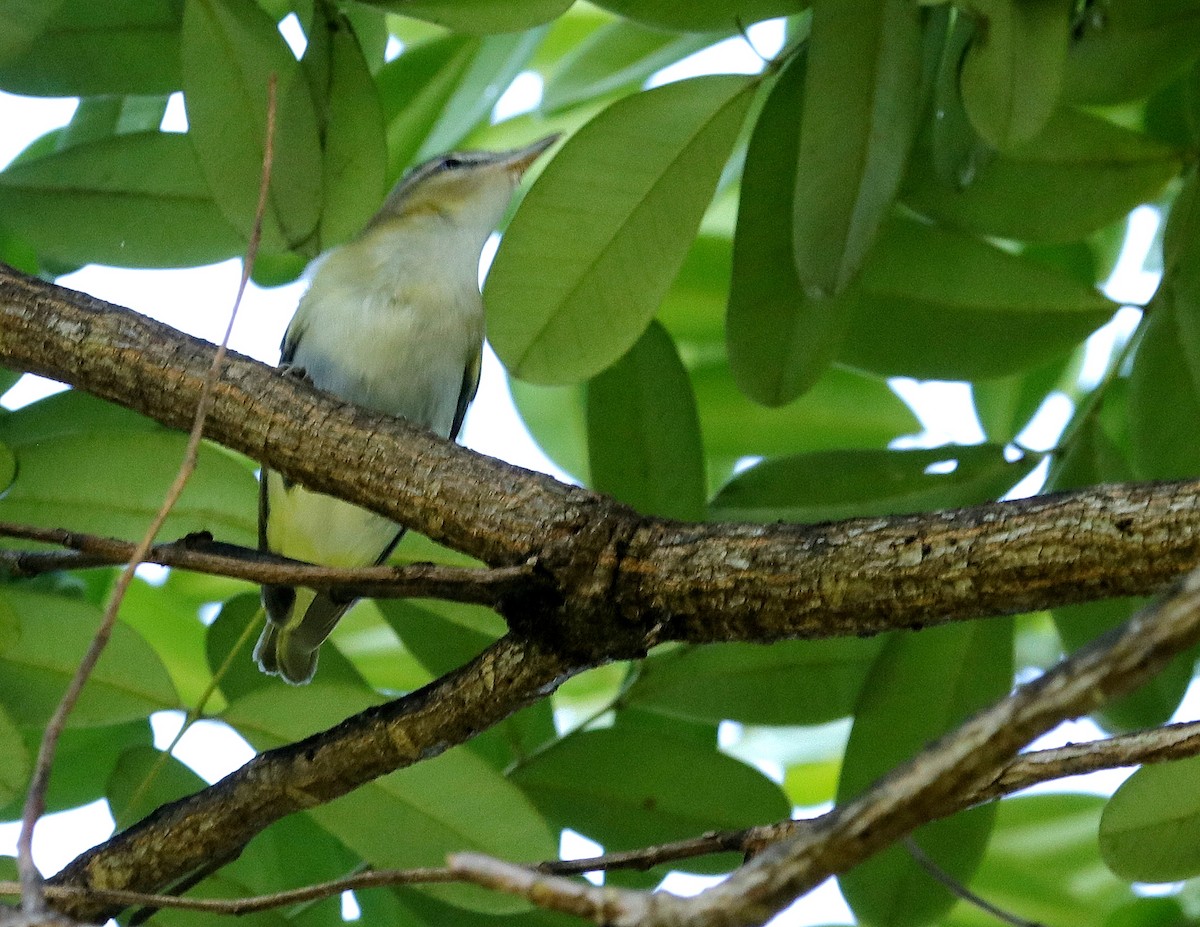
(619, 582)
(216, 822)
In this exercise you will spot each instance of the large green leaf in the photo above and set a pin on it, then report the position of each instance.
(144, 780)
(781, 339)
(1164, 404)
(438, 806)
(231, 49)
(701, 15)
(1094, 172)
(1012, 75)
(136, 200)
(623, 788)
(605, 228)
(617, 56)
(80, 47)
(1134, 49)
(791, 682)
(644, 443)
(82, 763)
(898, 714)
(16, 759)
(1150, 830)
(355, 150)
(1043, 864)
(57, 630)
(942, 305)
(414, 88)
(495, 61)
(478, 16)
(113, 483)
(844, 409)
(831, 485)
(860, 114)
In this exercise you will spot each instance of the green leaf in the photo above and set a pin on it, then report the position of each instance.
(16, 760)
(1164, 408)
(451, 803)
(1012, 75)
(136, 200)
(622, 788)
(618, 56)
(1150, 829)
(83, 761)
(495, 62)
(112, 483)
(478, 16)
(1043, 864)
(139, 785)
(780, 339)
(143, 779)
(954, 146)
(171, 625)
(791, 682)
(1152, 704)
(898, 714)
(832, 485)
(442, 635)
(644, 443)
(82, 48)
(843, 410)
(230, 50)
(937, 304)
(1133, 50)
(414, 88)
(1005, 405)
(859, 119)
(606, 227)
(355, 149)
(1094, 172)
(35, 671)
(556, 417)
(702, 15)
(228, 630)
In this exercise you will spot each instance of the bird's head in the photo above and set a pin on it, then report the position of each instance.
(467, 190)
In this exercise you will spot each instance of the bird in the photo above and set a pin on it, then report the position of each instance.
(392, 321)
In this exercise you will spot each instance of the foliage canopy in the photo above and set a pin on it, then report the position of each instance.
(700, 301)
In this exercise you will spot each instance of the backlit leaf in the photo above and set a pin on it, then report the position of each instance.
(861, 106)
(644, 443)
(137, 200)
(606, 226)
(780, 338)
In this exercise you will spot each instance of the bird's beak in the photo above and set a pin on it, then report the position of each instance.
(518, 161)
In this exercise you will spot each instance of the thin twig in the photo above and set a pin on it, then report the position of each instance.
(956, 888)
(201, 554)
(32, 896)
(248, 905)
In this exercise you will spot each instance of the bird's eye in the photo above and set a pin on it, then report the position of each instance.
(449, 164)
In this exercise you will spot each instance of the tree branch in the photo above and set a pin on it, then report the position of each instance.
(937, 782)
(617, 582)
(216, 822)
(201, 554)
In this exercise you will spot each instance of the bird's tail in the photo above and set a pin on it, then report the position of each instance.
(288, 647)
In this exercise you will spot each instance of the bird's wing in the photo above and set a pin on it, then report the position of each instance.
(470, 384)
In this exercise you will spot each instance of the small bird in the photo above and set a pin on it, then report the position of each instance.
(392, 321)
